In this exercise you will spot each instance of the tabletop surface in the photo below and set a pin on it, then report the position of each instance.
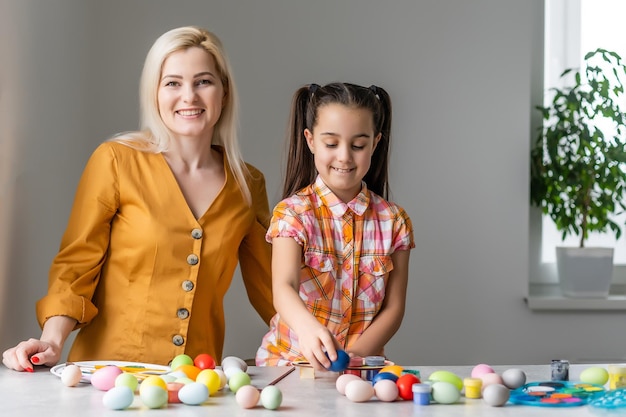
(43, 394)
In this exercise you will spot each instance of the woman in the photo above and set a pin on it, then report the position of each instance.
(160, 220)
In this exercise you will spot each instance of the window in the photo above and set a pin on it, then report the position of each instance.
(573, 28)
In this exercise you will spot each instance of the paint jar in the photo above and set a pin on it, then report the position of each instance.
(617, 376)
(355, 362)
(415, 372)
(374, 360)
(421, 393)
(559, 370)
(473, 387)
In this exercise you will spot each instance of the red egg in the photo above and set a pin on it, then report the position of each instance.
(204, 361)
(405, 386)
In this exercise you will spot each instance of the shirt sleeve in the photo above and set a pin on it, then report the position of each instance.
(287, 223)
(403, 231)
(255, 252)
(75, 270)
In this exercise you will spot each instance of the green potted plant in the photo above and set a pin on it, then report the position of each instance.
(578, 167)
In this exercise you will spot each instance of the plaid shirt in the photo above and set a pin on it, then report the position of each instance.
(346, 262)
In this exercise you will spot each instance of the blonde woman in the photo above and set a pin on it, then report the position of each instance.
(160, 221)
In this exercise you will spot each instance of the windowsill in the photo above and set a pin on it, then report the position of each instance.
(550, 297)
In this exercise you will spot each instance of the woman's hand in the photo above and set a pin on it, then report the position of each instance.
(44, 351)
(32, 351)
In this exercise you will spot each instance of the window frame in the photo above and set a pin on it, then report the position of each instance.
(562, 40)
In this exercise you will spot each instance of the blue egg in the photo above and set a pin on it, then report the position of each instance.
(343, 359)
(194, 393)
(118, 398)
(384, 375)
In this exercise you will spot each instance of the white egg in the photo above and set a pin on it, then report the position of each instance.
(71, 375)
(223, 378)
(229, 372)
(513, 378)
(386, 390)
(342, 381)
(359, 391)
(496, 395)
(233, 361)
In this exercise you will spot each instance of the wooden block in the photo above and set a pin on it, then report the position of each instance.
(306, 372)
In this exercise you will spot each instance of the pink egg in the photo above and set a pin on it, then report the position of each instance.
(247, 396)
(481, 369)
(343, 380)
(104, 378)
(386, 390)
(490, 379)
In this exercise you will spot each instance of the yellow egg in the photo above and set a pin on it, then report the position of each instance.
(394, 369)
(211, 379)
(595, 375)
(152, 381)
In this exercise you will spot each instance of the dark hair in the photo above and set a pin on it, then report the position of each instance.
(307, 100)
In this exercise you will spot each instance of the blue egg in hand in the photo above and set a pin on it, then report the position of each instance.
(343, 359)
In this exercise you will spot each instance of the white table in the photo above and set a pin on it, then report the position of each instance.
(42, 394)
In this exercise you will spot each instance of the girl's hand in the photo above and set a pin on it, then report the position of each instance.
(32, 351)
(315, 344)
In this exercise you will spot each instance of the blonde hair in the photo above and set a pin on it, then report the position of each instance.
(154, 136)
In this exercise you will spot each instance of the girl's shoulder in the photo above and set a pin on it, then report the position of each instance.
(381, 205)
(301, 202)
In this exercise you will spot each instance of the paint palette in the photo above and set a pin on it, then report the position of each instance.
(140, 370)
(556, 394)
(610, 400)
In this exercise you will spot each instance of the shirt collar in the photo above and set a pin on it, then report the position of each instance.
(358, 204)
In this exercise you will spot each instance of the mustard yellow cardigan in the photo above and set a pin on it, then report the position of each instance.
(143, 277)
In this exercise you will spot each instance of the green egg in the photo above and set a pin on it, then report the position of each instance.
(238, 380)
(271, 397)
(447, 376)
(179, 360)
(127, 380)
(595, 375)
(445, 392)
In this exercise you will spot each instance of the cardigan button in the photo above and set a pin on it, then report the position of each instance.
(187, 285)
(192, 259)
(196, 233)
(178, 340)
(182, 313)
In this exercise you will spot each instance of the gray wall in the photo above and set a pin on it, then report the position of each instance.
(463, 76)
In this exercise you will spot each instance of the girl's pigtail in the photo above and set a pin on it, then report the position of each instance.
(300, 170)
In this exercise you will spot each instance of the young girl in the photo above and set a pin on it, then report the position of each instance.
(340, 254)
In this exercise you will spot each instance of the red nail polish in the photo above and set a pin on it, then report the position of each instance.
(34, 359)
(29, 370)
